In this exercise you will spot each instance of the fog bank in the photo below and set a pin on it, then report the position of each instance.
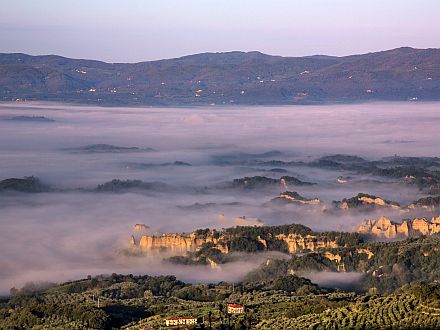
(74, 231)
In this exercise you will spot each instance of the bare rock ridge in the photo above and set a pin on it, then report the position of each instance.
(385, 228)
(225, 78)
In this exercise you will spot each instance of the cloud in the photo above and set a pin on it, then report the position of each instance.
(72, 232)
(193, 120)
(345, 281)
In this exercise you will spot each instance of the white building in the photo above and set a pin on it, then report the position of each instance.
(170, 321)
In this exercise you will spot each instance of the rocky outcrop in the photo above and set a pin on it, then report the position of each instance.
(294, 197)
(178, 244)
(365, 200)
(385, 228)
(365, 251)
(332, 257)
(337, 259)
(231, 240)
(212, 264)
(429, 203)
(298, 243)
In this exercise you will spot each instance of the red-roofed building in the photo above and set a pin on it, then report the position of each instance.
(235, 309)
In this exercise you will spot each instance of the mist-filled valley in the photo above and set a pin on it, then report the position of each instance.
(90, 174)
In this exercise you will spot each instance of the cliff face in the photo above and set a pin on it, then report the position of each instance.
(384, 227)
(297, 243)
(180, 244)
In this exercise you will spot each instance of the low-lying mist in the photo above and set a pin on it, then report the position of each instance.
(73, 230)
(349, 281)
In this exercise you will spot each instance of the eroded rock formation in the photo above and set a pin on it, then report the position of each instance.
(297, 243)
(180, 244)
(385, 228)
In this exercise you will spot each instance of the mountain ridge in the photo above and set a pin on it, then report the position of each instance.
(247, 78)
(398, 49)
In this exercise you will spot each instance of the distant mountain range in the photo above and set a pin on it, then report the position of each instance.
(403, 74)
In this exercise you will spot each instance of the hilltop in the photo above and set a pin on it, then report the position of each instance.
(225, 78)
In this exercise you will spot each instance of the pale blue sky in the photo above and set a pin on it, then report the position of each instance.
(135, 30)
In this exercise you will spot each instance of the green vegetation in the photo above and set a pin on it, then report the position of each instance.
(430, 201)
(395, 311)
(202, 256)
(255, 182)
(28, 184)
(385, 266)
(287, 302)
(399, 289)
(117, 185)
(251, 239)
(357, 201)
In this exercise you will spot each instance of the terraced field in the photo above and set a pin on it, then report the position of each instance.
(390, 312)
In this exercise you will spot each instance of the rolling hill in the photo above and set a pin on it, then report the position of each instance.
(225, 78)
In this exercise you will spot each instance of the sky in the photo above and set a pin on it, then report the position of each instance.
(139, 30)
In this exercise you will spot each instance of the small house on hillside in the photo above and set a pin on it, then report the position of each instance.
(235, 309)
(171, 321)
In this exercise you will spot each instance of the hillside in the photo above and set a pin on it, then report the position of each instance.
(271, 299)
(225, 78)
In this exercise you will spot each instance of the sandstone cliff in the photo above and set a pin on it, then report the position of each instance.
(385, 228)
(181, 244)
(297, 243)
(178, 244)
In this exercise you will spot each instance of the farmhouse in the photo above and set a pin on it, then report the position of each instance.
(170, 321)
(235, 309)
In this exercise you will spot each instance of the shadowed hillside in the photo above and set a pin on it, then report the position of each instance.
(225, 78)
